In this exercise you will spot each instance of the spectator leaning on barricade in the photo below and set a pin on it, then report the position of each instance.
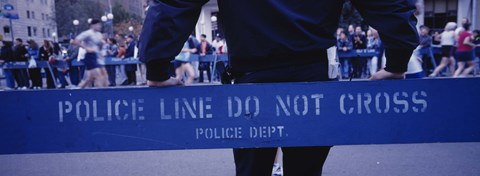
(35, 73)
(204, 48)
(112, 51)
(344, 45)
(130, 69)
(46, 52)
(425, 51)
(6, 55)
(465, 52)
(359, 41)
(20, 54)
(447, 41)
(374, 42)
(74, 72)
(276, 41)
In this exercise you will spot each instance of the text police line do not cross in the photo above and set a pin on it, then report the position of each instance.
(285, 105)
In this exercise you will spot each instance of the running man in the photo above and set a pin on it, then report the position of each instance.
(92, 40)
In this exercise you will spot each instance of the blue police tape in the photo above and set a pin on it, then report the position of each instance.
(238, 116)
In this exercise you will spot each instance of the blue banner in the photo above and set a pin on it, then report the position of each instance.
(238, 116)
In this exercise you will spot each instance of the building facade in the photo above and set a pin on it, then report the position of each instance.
(433, 13)
(35, 20)
(136, 7)
(436, 13)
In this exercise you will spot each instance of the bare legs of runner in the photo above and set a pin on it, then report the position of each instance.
(98, 76)
(185, 68)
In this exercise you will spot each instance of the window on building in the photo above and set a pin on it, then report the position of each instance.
(33, 15)
(43, 16)
(47, 17)
(44, 35)
(6, 29)
(48, 33)
(28, 14)
(439, 12)
(29, 31)
(34, 31)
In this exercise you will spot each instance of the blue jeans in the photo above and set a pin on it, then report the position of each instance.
(296, 160)
(428, 52)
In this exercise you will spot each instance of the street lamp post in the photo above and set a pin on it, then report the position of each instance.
(130, 28)
(75, 24)
(110, 18)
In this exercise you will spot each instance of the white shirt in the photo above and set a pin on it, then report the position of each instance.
(447, 38)
(91, 39)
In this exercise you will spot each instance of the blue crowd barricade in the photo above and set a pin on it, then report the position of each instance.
(240, 116)
(358, 53)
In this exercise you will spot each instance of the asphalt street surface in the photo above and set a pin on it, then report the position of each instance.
(455, 159)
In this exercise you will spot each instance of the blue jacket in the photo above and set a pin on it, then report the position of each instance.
(264, 34)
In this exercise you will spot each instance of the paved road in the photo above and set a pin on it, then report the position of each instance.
(462, 159)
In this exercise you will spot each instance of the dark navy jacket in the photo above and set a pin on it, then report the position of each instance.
(263, 34)
(130, 52)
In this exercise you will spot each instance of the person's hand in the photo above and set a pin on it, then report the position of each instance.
(169, 82)
(385, 75)
(202, 54)
(345, 49)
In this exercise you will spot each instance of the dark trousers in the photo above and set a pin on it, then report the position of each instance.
(111, 71)
(36, 77)
(51, 78)
(74, 73)
(131, 77)
(305, 161)
(21, 77)
(204, 66)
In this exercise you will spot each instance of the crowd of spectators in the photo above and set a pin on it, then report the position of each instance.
(452, 51)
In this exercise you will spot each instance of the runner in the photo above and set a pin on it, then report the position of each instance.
(465, 52)
(447, 40)
(92, 41)
(183, 66)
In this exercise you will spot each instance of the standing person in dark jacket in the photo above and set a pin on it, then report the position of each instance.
(6, 55)
(277, 41)
(74, 71)
(46, 52)
(112, 51)
(35, 73)
(130, 70)
(343, 45)
(20, 53)
(359, 41)
(204, 48)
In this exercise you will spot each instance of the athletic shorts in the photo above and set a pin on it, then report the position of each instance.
(447, 51)
(91, 61)
(465, 56)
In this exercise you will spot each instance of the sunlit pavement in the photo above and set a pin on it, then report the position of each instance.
(460, 159)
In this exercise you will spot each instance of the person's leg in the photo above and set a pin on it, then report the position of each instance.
(190, 73)
(111, 74)
(100, 77)
(461, 66)
(200, 78)
(179, 72)
(254, 161)
(209, 73)
(36, 77)
(63, 80)
(469, 69)
(304, 160)
(87, 80)
(440, 67)
(432, 57)
(452, 63)
(74, 75)
(16, 76)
